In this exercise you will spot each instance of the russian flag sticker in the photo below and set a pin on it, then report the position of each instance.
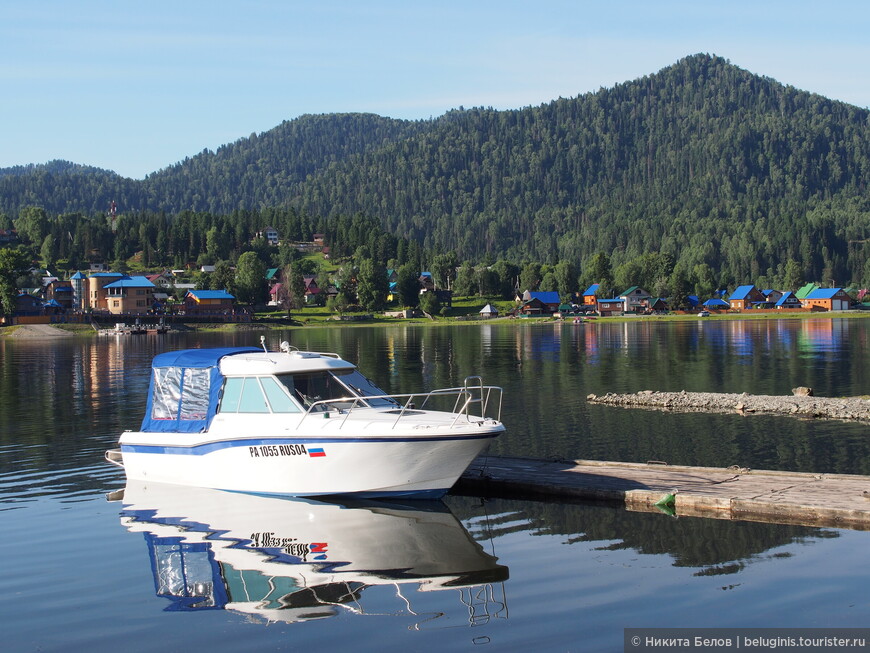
(316, 452)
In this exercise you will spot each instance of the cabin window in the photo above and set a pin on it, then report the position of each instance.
(278, 399)
(168, 401)
(251, 399)
(255, 395)
(364, 387)
(314, 387)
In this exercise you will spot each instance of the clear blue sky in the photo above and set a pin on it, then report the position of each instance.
(136, 86)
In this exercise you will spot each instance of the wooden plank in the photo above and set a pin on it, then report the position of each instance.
(835, 500)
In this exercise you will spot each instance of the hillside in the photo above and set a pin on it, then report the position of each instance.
(702, 160)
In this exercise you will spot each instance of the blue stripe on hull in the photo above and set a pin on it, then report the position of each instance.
(209, 447)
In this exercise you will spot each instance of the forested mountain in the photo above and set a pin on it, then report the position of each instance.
(703, 161)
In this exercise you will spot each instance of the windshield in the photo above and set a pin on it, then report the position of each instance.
(321, 386)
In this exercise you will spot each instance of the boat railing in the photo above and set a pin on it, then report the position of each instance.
(471, 398)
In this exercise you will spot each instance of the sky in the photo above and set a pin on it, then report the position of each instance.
(137, 86)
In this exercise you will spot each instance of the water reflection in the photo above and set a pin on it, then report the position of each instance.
(294, 560)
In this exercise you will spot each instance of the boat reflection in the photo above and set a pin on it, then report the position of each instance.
(291, 560)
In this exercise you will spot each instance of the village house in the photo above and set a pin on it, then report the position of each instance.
(60, 292)
(96, 298)
(635, 300)
(590, 295)
(548, 300)
(658, 305)
(208, 302)
(828, 299)
(744, 297)
(608, 307)
(788, 300)
(163, 279)
(27, 304)
(129, 295)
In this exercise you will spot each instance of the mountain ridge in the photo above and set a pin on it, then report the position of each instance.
(700, 154)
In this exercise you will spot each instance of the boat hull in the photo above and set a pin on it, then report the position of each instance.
(397, 465)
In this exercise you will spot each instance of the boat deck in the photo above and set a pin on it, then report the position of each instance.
(832, 500)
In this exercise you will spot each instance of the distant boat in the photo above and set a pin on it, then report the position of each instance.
(304, 424)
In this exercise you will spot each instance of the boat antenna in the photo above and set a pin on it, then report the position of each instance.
(263, 343)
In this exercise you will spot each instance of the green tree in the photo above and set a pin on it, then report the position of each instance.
(13, 263)
(530, 276)
(32, 224)
(251, 285)
(223, 278)
(429, 303)
(444, 269)
(408, 286)
(793, 278)
(372, 285)
(465, 280)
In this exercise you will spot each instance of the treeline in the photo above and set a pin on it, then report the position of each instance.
(703, 162)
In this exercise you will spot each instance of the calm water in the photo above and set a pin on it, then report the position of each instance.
(198, 570)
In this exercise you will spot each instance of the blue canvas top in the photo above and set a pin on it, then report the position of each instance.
(197, 357)
(185, 388)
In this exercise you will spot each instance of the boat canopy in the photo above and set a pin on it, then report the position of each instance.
(184, 391)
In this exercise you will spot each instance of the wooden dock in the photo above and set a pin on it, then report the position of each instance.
(831, 500)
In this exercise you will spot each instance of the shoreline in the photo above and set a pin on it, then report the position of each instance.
(300, 322)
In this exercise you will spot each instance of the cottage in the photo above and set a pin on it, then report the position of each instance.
(208, 302)
(590, 295)
(658, 305)
(788, 300)
(828, 299)
(744, 297)
(270, 234)
(635, 300)
(549, 299)
(607, 307)
(27, 304)
(488, 311)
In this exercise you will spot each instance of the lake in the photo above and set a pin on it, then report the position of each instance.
(87, 567)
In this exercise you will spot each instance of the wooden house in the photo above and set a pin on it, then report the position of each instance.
(607, 307)
(590, 295)
(208, 302)
(744, 297)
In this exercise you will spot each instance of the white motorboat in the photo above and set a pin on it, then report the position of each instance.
(295, 559)
(304, 424)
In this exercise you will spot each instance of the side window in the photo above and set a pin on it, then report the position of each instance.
(278, 399)
(231, 395)
(252, 400)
